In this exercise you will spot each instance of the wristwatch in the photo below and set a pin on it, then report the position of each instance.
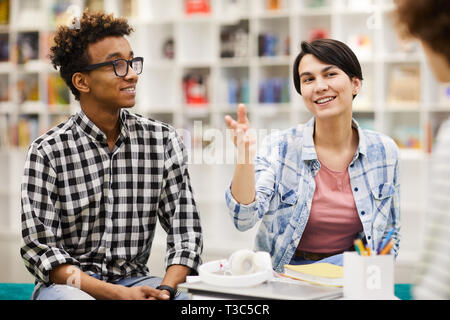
(171, 290)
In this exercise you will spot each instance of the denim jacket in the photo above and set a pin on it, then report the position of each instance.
(285, 168)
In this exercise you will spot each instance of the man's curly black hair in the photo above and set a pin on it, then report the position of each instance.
(70, 52)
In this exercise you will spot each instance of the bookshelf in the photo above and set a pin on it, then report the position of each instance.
(199, 65)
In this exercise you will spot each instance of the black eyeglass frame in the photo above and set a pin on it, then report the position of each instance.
(113, 63)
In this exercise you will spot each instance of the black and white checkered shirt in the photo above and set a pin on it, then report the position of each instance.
(87, 206)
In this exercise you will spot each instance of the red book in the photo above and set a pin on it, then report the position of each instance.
(197, 6)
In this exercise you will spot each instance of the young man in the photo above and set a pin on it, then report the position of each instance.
(95, 185)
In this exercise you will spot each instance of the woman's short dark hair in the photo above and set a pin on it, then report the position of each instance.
(329, 51)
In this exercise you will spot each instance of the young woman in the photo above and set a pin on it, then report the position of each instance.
(318, 186)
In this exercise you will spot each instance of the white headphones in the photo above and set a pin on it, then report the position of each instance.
(244, 268)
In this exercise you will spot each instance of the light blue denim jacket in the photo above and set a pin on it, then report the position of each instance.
(285, 168)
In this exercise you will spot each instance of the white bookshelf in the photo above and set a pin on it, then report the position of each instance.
(197, 48)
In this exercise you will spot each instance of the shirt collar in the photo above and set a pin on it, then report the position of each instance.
(308, 149)
(91, 129)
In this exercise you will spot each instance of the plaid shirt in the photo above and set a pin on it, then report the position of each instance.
(87, 206)
(284, 171)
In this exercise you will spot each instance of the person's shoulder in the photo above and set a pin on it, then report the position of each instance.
(379, 141)
(148, 124)
(290, 135)
(54, 138)
(444, 129)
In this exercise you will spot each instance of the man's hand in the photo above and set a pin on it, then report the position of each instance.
(141, 293)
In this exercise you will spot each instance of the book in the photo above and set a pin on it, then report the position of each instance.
(58, 95)
(321, 273)
(318, 33)
(28, 46)
(4, 47)
(4, 11)
(28, 87)
(404, 84)
(197, 6)
(274, 5)
(195, 89)
(274, 90)
(234, 40)
(4, 88)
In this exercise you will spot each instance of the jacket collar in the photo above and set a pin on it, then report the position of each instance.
(309, 150)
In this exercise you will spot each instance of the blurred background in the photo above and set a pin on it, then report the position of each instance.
(202, 57)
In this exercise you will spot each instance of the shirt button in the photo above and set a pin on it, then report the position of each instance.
(368, 237)
(363, 212)
(352, 165)
(356, 189)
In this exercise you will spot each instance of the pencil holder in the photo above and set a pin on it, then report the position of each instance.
(368, 277)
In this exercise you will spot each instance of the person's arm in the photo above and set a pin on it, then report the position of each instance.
(70, 275)
(178, 214)
(243, 185)
(254, 182)
(41, 227)
(175, 274)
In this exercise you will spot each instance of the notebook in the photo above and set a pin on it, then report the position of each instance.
(318, 273)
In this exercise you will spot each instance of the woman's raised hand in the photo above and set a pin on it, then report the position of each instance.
(243, 136)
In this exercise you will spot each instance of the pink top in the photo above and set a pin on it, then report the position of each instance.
(333, 221)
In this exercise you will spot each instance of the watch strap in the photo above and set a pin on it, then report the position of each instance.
(171, 290)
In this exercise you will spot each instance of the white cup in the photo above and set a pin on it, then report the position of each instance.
(368, 277)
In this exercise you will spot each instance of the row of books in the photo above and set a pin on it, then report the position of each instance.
(274, 90)
(21, 132)
(18, 134)
(28, 89)
(235, 90)
(271, 45)
(29, 46)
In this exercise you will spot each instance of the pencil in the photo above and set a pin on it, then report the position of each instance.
(387, 248)
(383, 243)
(360, 247)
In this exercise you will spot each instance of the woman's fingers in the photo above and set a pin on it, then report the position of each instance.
(230, 122)
(242, 114)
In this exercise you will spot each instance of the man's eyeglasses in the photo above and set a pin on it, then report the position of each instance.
(120, 66)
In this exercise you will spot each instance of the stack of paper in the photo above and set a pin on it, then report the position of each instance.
(318, 273)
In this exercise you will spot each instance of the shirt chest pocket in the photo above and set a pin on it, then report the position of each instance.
(288, 196)
(288, 188)
(382, 195)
